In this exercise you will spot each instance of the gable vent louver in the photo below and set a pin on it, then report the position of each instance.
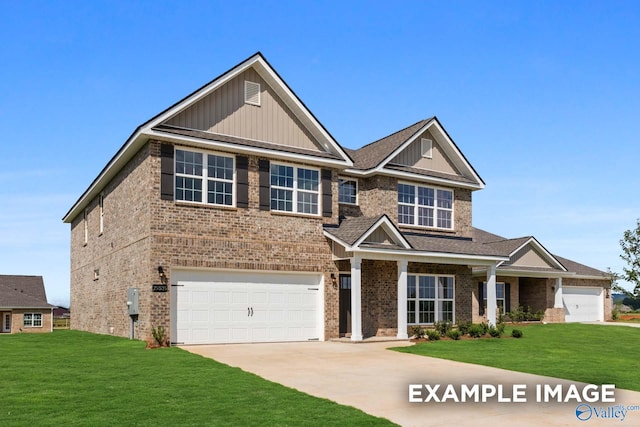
(251, 93)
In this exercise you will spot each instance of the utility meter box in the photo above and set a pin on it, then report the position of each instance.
(132, 301)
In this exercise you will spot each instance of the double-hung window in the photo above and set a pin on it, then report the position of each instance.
(32, 320)
(430, 299)
(425, 206)
(348, 191)
(204, 178)
(294, 189)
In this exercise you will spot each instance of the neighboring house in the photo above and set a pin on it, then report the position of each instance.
(61, 313)
(234, 216)
(23, 305)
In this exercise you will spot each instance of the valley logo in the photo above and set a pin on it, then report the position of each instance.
(586, 412)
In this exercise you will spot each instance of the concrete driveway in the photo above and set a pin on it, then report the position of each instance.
(376, 380)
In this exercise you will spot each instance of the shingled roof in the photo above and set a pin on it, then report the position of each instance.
(22, 292)
(370, 156)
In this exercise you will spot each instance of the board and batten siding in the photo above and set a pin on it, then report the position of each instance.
(412, 156)
(225, 112)
(529, 257)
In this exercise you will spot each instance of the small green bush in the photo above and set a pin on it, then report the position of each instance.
(417, 331)
(494, 332)
(463, 327)
(476, 331)
(485, 328)
(433, 335)
(443, 327)
(454, 334)
(615, 314)
(516, 333)
(500, 327)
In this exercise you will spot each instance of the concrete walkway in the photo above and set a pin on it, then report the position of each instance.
(376, 380)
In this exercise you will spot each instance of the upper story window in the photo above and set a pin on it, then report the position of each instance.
(101, 204)
(348, 191)
(204, 178)
(425, 206)
(294, 189)
(85, 226)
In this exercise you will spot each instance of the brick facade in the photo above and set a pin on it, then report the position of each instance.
(17, 321)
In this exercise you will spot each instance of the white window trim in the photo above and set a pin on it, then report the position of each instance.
(435, 207)
(101, 204)
(426, 148)
(344, 178)
(32, 325)
(503, 299)
(436, 308)
(296, 190)
(247, 99)
(205, 177)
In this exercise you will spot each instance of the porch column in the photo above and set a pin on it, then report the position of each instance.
(492, 304)
(402, 300)
(356, 301)
(557, 303)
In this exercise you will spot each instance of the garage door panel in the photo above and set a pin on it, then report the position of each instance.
(582, 304)
(217, 309)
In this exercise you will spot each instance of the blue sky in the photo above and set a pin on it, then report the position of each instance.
(542, 97)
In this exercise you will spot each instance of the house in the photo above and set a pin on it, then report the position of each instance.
(23, 305)
(235, 216)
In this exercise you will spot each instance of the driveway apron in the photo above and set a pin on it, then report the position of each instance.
(376, 380)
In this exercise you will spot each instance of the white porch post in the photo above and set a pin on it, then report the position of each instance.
(557, 303)
(356, 304)
(402, 299)
(492, 304)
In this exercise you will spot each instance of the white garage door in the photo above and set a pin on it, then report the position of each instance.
(223, 307)
(582, 304)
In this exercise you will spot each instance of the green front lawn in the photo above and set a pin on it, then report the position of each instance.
(76, 378)
(589, 353)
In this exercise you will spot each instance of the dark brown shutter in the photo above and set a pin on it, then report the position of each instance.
(242, 181)
(327, 205)
(481, 298)
(166, 172)
(507, 297)
(265, 177)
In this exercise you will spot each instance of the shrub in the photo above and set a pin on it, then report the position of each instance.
(454, 334)
(615, 314)
(500, 327)
(516, 333)
(443, 327)
(463, 327)
(485, 328)
(159, 335)
(494, 332)
(476, 331)
(433, 335)
(417, 331)
(521, 314)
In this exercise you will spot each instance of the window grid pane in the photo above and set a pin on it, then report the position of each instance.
(282, 200)
(282, 176)
(308, 179)
(308, 203)
(347, 191)
(188, 189)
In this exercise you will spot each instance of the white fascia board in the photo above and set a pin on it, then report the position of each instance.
(541, 248)
(587, 277)
(415, 177)
(426, 257)
(526, 273)
(237, 148)
(388, 227)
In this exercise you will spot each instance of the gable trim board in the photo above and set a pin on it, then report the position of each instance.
(146, 131)
(444, 141)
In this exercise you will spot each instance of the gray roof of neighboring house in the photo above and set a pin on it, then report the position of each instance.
(242, 141)
(372, 154)
(22, 292)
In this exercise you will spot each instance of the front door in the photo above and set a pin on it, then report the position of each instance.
(345, 305)
(6, 322)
